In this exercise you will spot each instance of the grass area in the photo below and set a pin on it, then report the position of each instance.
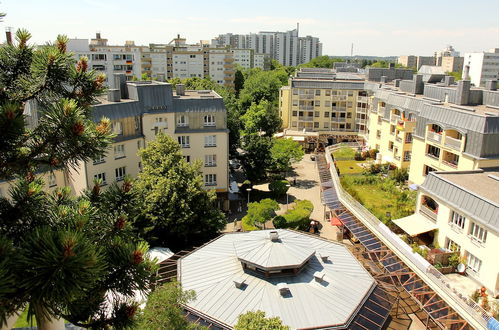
(381, 195)
(22, 322)
(344, 153)
(349, 166)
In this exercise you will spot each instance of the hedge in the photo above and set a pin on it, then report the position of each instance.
(297, 218)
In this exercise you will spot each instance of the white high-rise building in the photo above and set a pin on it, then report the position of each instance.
(482, 66)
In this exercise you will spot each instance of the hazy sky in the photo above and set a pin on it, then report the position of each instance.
(375, 27)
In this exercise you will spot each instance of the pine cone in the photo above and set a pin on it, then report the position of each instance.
(78, 128)
(137, 257)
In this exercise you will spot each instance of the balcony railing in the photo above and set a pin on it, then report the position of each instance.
(303, 118)
(398, 139)
(453, 143)
(362, 99)
(434, 136)
(394, 118)
(450, 163)
(306, 96)
(305, 107)
(433, 156)
(429, 213)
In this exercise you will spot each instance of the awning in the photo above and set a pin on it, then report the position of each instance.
(415, 224)
(298, 138)
(336, 222)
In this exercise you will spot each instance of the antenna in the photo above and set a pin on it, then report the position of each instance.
(297, 29)
(351, 51)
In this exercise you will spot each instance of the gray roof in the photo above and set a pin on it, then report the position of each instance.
(198, 105)
(211, 270)
(472, 192)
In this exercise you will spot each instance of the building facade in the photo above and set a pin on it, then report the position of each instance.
(481, 67)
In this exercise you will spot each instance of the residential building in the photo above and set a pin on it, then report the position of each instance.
(286, 47)
(141, 110)
(448, 51)
(248, 59)
(481, 66)
(412, 61)
(283, 273)
(460, 211)
(452, 63)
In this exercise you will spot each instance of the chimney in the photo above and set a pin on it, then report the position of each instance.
(383, 79)
(113, 95)
(120, 83)
(463, 92)
(283, 288)
(466, 72)
(397, 82)
(391, 66)
(319, 276)
(448, 80)
(491, 85)
(8, 36)
(274, 236)
(180, 88)
(239, 282)
(97, 35)
(418, 83)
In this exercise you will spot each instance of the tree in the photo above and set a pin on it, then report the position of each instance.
(279, 187)
(164, 309)
(322, 62)
(259, 213)
(256, 158)
(261, 118)
(262, 85)
(257, 320)
(238, 80)
(171, 197)
(285, 152)
(60, 254)
(458, 75)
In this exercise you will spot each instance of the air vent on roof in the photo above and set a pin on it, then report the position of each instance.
(324, 257)
(492, 176)
(283, 288)
(319, 276)
(274, 236)
(239, 282)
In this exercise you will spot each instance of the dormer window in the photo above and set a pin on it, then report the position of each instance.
(209, 120)
(117, 128)
(183, 121)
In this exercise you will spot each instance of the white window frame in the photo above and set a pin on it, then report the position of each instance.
(184, 141)
(210, 141)
(117, 128)
(209, 121)
(210, 160)
(120, 173)
(473, 263)
(119, 151)
(457, 221)
(451, 245)
(99, 160)
(478, 233)
(210, 180)
(101, 176)
(183, 121)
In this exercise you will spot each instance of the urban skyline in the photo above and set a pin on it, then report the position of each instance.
(337, 25)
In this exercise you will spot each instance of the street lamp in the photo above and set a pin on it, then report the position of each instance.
(248, 190)
(287, 197)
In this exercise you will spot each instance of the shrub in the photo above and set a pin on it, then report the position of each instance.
(372, 153)
(297, 218)
(279, 187)
(358, 156)
(364, 155)
(400, 175)
(259, 213)
(279, 222)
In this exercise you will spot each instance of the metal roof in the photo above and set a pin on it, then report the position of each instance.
(332, 84)
(473, 193)
(211, 270)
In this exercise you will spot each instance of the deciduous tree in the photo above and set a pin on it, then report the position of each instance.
(257, 320)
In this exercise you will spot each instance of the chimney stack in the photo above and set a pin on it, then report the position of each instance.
(448, 80)
(8, 36)
(463, 92)
(120, 83)
(491, 85)
(113, 95)
(180, 88)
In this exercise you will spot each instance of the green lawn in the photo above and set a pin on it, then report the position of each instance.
(349, 166)
(344, 153)
(22, 322)
(381, 197)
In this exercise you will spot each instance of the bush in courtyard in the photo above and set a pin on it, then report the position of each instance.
(358, 156)
(297, 218)
(364, 155)
(400, 175)
(259, 213)
(279, 187)
(372, 153)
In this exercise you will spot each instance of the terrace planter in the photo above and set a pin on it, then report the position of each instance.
(447, 270)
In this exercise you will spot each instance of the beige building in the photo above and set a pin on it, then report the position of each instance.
(417, 62)
(452, 63)
(460, 211)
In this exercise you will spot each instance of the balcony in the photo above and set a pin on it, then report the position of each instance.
(229, 72)
(306, 96)
(303, 118)
(228, 66)
(429, 213)
(305, 107)
(394, 118)
(435, 137)
(363, 99)
(339, 120)
(453, 143)
(450, 163)
(398, 139)
(229, 59)
(397, 157)
(433, 156)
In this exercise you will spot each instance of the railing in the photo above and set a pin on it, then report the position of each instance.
(475, 315)
(452, 164)
(434, 136)
(394, 118)
(305, 107)
(306, 96)
(302, 118)
(363, 99)
(433, 156)
(398, 139)
(426, 211)
(453, 143)
(339, 120)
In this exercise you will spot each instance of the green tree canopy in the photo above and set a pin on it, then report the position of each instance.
(60, 254)
(164, 309)
(285, 152)
(256, 159)
(262, 118)
(262, 85)
(171, 196)
(257, 320)
(322, 62)
(259, 213)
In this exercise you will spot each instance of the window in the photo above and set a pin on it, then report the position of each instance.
(457, 220)
(187, 159)
(120, 173)
(117, 129)
(210, 160)
(317, 92)
(427, 169)
(328, 93)
(295, 113)
(326, 125)
(478, 233)
(209, 120)
(390, 145)
(316, 113)
(184, 141)
(210, 141)
(119, 151)
(182, 121)
(99, 160)
(474, 263)
(378, 134)
(326, 114)
(295, 103)
(451, 245)
(433, 151)
(102, 177)
(52, 180)
(407, 156)
(408, 138)
(210, 180)
(317, 103)
(316, 124)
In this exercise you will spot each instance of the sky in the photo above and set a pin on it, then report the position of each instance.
(376, 28)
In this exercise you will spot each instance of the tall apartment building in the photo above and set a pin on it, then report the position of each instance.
(247, 59)
(460, 211)
(286, 47)
(417, 62)
(482, 66)
(448, 51)
(158, 61)
(452, 63)
(140, 110)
